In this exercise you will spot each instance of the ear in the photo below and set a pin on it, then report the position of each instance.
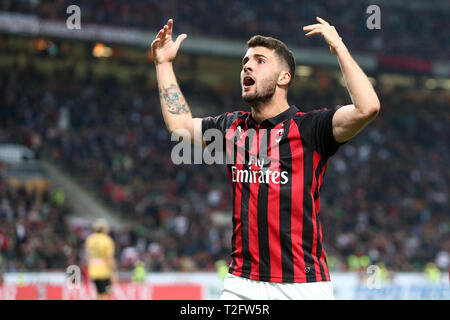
(284, 78)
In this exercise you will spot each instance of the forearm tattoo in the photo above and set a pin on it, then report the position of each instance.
(174, 99)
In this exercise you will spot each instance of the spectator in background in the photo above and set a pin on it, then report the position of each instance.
(100, 259)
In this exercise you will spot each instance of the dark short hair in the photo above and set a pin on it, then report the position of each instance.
(280, 49)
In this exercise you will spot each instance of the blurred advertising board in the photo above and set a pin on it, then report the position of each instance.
(208, 286)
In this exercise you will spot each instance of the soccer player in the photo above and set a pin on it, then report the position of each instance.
(100, 259)
(277, 248)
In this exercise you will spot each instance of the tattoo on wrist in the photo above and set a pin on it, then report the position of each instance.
(174, 99)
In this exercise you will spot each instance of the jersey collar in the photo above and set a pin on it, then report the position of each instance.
(272, 122)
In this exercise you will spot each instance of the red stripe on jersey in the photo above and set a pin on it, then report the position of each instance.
(297, 202)
(316, 160)
(253, 209)
(237, 232)
(230, 148)
(273, 208)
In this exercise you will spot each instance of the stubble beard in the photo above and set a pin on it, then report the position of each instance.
(262, 95)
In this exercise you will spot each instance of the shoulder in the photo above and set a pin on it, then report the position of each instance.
(314, 114)
(307, 113)
(224, 121)
(89, 239)
(230, 115)
(299, 115)
(109, 239)
(106, 240)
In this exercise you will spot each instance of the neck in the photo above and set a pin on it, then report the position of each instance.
(269, 109)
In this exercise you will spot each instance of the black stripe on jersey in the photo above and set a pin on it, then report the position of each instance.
(245, 202)
(263, 224)
(320, 166)
(287, 258)
(307, 236)
(319, 170)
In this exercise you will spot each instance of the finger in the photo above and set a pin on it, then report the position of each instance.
(180, 39)
(155, 43)
(170, 25)
(166, 29)
(316, 31)
(319, 29)
(160, 34)
(312, 26)
(322, 21)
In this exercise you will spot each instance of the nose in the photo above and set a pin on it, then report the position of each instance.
(247, 68)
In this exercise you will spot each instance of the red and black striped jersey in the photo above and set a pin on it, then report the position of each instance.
(276, 170)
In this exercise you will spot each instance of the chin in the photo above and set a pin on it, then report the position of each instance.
(248, 96)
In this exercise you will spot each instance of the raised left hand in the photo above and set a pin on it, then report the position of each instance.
(328, 32)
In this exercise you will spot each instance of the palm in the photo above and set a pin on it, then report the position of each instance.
(164, 49)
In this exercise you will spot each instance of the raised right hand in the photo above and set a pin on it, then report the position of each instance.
(163, 48)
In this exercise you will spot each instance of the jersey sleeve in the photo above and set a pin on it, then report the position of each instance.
(221, 123)
(317, 129)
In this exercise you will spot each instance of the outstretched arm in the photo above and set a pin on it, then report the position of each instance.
(350, 119)
(176, 112)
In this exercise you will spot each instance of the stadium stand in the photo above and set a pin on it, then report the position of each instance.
(403, 33)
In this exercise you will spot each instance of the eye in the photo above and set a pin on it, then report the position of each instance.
(261, 61)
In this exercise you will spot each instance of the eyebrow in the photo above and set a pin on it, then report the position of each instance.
(257, 55)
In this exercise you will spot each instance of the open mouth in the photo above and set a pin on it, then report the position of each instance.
(248, 82)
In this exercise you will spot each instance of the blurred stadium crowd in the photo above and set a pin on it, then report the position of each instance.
(405, 29)
(385, 196)
(34, 233)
